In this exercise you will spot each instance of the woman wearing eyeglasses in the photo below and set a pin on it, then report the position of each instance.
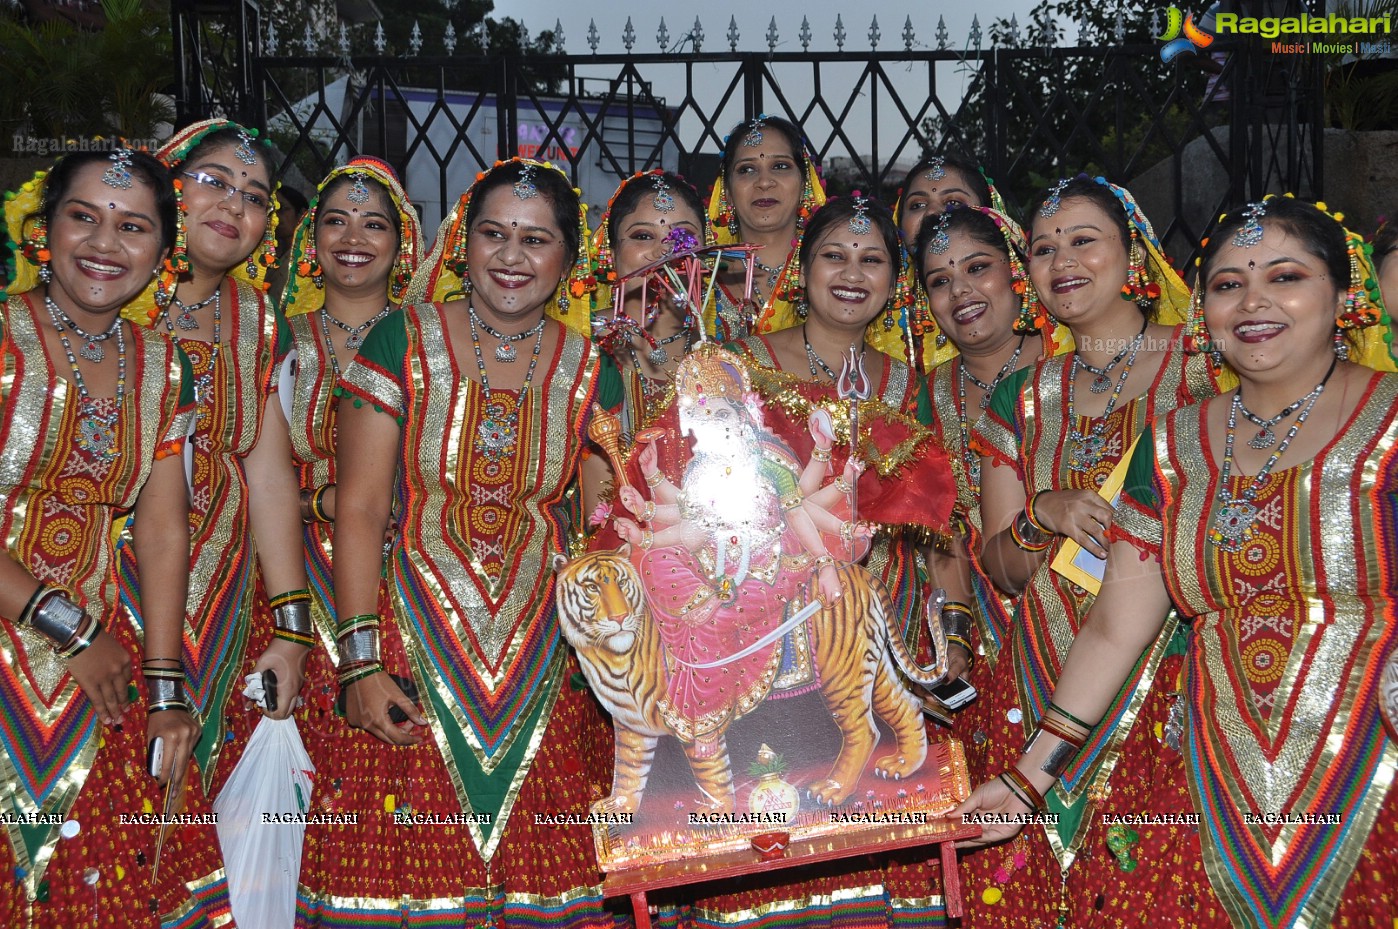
(247, 609)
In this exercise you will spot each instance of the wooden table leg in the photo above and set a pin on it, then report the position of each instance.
(641, 909)
(951, 882)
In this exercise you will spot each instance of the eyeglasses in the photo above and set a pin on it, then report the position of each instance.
(253, 199)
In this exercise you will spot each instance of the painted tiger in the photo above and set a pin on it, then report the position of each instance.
(857, 648)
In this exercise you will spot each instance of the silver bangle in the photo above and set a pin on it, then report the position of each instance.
(56, 617)
(167, 694)
(957, 622)
(1059, 757)
(294, 617)
(359, 646)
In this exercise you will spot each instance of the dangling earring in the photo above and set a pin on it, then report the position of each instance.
(466, 286)
(309, 267)
(268, 251)
(1341, 345)
(940, 339)
(888, 321)
(802, 308)
(36, 248)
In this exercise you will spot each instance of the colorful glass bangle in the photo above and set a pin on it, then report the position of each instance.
(362, 621)
(1033, 520)
(1055, 708)
(1022, 788)
(958, 640)
(317, 504)
(1021, 533)
(291, 616)
(27, 614)
(358, 673)
(294, 638)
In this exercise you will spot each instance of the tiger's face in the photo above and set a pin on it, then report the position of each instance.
(600, 602)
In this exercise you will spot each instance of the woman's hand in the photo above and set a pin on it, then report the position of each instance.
(629, 531)
(288, 661)
(822, 429)
(828, 582)
(367, 701)
(649, 459)
(103, 671)
(992, 798)
(1081, 515)
(180, 733)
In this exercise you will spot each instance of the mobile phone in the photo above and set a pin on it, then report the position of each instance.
(269, 690)
(405, 684)
(954, 694)
(155, 756)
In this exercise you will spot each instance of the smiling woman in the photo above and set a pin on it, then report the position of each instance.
(1277, 551)
(93, 415)
(469, 412)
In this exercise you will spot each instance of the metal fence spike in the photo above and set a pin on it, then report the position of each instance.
(485, 37)
(1048, 28)
(839, 33)
(594, 38)
(874, 33)
(1012, 34)
(733, 33)
(270, 46)
(909, 37)
(449, 38)
(974, 39)
(414, 39)
(942, 34)
(772, 37)
(697, 34)
(628, 35)
(558, 38)
(344, 39)
(378, 37)
(1083, 27)
(662, 35)
(1119, 30)
(805, 34)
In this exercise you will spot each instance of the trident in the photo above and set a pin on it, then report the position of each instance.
(853, 386)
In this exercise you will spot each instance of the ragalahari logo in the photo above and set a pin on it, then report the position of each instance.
(1181, 35)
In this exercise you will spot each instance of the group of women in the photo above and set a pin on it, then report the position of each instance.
(375, 467)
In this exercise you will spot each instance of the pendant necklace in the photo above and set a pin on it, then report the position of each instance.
(772, 272)
(1088, 448)
(186, 318)
(1233, 523)
(498, 432)
(356, 333)
(91, 348)
(505, 351)
(97, 433)
(1103, 381)
(1265, 437)
(658, 355)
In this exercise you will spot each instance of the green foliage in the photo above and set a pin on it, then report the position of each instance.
(1361, 89)
(64, 82)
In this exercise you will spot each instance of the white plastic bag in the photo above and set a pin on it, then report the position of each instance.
(263, 858)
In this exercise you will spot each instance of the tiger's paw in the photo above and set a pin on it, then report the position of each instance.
(617, 803)
(829, 792)
(896, 767)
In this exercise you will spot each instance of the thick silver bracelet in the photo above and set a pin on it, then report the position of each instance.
(56, 617)
(359, 647)
(1060, 756)
(167, 693)
(294, 617)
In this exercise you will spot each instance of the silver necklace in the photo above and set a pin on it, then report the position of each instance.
(773, 272)
(97, 432)
(498, 432)
(1103, 381)
(1233, 523)
(812, 359)
(356, 333)
(1087, 448)
(505, 351)
(217, 301)
(186, 318)
(91, 347)
(1265, 437)
(972, 460)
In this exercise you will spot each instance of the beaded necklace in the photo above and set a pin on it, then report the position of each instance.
(355, 339)
(505, 351)
(186, 321)
(972, 460)
(1103, 380)
(91, 348)
(97, 432)
(1087, 448)
(812, 359)
(1265, 437)
(498, 432)
(772, 271)
(1233, 523)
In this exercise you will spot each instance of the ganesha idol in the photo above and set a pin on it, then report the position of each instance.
(735, 593)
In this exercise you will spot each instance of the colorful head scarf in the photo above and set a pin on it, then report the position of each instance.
(779, 311)
(302, 295)
(443, 275)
